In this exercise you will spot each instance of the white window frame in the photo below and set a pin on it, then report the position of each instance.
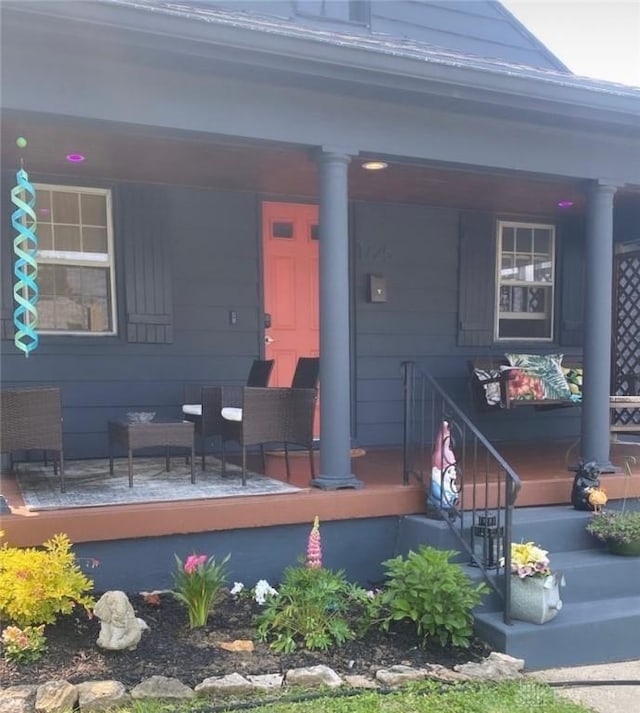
(80, 259)
(551, 285)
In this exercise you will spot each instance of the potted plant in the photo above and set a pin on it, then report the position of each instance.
(535, 589)
(619, 529)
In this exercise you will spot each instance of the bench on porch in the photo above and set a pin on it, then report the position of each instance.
(625, 416)
(496, 383)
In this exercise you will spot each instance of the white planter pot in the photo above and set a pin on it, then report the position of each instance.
(536, 599)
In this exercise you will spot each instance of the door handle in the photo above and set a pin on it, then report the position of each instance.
(268, 339)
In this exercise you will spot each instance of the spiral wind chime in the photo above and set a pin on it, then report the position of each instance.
(25, 270)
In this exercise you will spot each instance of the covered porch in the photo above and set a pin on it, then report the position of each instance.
(543, 471)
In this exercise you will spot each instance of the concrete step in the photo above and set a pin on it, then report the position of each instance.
(587, 632)
(590, 575)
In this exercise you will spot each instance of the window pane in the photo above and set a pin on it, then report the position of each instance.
(74, 299)
(43, 206)
(94, 210)
(542, 270)
(43, 231)
(524, 240)
(508, 239)
(282, 230)
(67, 237)
(507, 269)
(542, 241)
(524, 268)
(66, 207)
(94, 240)
(525, 329)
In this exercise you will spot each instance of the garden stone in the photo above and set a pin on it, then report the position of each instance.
(313, 676)
(17, 699)
(119, 627)
(230, 684)
(496, 667)
(101, 695)
(161, 687)
(266, 681)
(399, 675)
(438, 672)
(56, 697)
(358, 681)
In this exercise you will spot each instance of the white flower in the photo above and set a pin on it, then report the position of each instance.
(237, 588)
(262, 590)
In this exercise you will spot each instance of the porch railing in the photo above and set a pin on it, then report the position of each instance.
(485, 487)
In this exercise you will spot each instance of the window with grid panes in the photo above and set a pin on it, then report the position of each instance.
(75, 260)
(526, 276)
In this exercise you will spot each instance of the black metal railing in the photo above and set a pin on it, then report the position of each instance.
(474, 491)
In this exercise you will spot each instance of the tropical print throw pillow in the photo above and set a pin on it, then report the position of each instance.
(548, 369)
(491, 387)
(523, 385)
(574, 381)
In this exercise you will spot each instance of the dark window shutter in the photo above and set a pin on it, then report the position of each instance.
(476, 291)
(571, 283)
(145, 238)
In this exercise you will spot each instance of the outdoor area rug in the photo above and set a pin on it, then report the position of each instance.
(88, 483)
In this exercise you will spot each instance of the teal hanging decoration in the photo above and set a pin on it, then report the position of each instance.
(25, 247)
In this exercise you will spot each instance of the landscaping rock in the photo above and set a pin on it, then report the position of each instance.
(399, 675)
(437, 672)
(496, 667)
(358, 681)
(17, 699)
(226, 685)
(266, 681)
(313, 676)
(162, 688)
(101, 695)
(56, 697)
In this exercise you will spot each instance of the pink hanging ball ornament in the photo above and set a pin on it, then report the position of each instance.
(442, 455)
(314, 546)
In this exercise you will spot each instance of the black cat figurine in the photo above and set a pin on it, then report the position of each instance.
(586, 479)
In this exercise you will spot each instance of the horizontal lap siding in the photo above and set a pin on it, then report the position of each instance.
(416, 249)
(213, 268)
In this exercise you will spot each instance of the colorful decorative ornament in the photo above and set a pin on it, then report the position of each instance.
(25, 247)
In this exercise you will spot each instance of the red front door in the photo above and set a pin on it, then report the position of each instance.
(291, 290)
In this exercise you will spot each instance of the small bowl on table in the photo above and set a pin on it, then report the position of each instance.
(140, 416)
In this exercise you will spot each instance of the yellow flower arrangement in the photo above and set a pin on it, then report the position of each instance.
(529, 560)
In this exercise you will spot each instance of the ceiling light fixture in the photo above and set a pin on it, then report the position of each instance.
(375, 165)
(75, 157)
(565, 204)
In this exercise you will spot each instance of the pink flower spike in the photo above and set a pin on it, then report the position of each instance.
(314, 546)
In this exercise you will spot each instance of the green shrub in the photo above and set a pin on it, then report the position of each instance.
(36, 585)
(432, 592)
(315, 608)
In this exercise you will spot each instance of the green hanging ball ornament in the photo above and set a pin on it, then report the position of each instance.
(21, 142)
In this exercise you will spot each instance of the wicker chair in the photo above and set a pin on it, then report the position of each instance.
(270, 415)
(203, 403)
(31, 419)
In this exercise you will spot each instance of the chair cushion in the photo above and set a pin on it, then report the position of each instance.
(192, 409)
(231, 414)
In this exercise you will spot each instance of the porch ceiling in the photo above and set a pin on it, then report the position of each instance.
(136, 154)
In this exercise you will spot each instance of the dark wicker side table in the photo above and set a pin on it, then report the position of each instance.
(145, 435)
